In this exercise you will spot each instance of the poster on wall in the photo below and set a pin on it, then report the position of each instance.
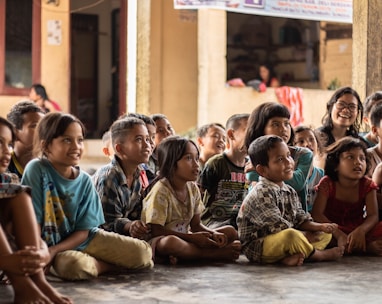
(318, 10)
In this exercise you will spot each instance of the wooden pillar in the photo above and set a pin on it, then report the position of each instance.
(367, 47)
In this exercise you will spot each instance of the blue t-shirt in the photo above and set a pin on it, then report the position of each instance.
(62, 205)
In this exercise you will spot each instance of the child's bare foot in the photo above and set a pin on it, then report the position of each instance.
(231, 251)
(296, 259)
(375, 247)
(328, 254)
(173, 260)
(49, 291)
(26, 291)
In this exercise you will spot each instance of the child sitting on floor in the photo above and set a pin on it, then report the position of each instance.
(23, 266)
(68, 208)
(173, 208)
(222, 181)
(273, 227)
(347, 197)
(120, 183)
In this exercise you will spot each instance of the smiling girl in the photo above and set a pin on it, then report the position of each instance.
(343, 117)
(68, 208)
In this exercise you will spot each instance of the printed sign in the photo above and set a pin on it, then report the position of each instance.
(319, 10)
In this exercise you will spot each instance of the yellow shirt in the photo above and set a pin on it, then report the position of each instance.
(163, 208)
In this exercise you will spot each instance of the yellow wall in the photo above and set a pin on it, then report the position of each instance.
(55, 59)
(174, 73)
(55, 65)
(216, 101)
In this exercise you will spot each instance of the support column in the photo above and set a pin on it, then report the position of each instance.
(367, 47)
(143, 56)
(212, 51)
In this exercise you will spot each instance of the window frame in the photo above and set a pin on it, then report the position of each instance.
(36, 49)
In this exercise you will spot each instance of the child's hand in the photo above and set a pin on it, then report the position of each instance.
(329, 227)
(249, 167)
(356, 240)
(203, 239)
(220, 239)
(27, 261)
(139, 229)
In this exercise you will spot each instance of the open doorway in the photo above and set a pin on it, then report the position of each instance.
(84, 70)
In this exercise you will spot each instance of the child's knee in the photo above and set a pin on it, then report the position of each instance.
(120, 250)
(75, 265)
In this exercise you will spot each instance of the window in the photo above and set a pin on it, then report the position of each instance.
(19, 45)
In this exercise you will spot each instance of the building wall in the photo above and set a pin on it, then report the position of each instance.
(174, 69)
(55, 64)
(216, 101)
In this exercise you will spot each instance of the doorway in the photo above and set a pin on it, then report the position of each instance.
(84, 71)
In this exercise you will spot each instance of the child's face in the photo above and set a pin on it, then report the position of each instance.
(6, 147)
(213, 142)
(152, 131)
(264, 72)
(279, 126)
(352, 164)
(67, 149)
(135, 148)
(306, 139)
(163, 130)
(344, 111)
(188, 166)
(280, 165)
(25, 135)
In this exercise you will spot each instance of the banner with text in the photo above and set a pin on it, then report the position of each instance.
(319, 10)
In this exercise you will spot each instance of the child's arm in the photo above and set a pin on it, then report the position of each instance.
(356, 238)
(70, 243)
(303, 168)
(314, 226)
(319, 207)
(201, 239)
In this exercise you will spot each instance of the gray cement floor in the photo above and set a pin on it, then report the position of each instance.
(349, 280)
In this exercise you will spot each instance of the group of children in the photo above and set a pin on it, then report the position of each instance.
(254, 186)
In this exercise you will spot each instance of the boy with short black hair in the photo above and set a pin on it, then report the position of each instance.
(222, 180)
(119, 184)
(211, 139)
(24, 116)
(272, 225)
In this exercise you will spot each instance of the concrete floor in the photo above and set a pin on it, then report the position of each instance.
(349, 280)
